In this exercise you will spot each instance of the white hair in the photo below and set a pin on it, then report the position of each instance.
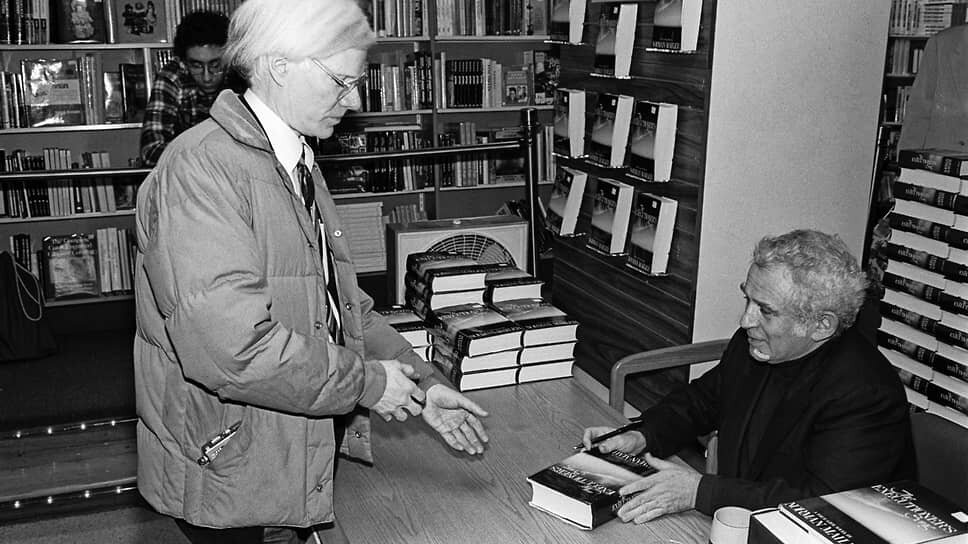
(295, 29)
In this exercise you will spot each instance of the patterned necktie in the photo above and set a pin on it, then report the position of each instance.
(332, 293)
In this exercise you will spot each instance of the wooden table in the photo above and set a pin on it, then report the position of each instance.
(419, 491)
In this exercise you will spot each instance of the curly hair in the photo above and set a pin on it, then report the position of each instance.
(825, 275)
(200, 28)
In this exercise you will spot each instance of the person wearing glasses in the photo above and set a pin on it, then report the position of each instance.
(257, 357)
(184, 89)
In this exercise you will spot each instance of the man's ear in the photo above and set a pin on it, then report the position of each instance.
(278, 69)
(826, 327)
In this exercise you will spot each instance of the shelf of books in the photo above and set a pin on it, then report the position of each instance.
(628, 134)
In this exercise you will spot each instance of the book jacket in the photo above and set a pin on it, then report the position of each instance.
(583, 488)
(897, 513)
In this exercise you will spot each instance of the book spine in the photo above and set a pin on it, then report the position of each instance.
(933, 161)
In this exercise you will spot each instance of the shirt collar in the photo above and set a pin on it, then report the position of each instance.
(286, 143)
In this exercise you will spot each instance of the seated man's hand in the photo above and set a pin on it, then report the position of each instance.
(631, 442)
(455, 417)
(672, 489)
(401, 394)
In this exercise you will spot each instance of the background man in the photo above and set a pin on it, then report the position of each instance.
(803, 404)
(255, 347)
(184, 89)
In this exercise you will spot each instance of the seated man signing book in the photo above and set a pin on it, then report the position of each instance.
(803, 404)
(185, 88)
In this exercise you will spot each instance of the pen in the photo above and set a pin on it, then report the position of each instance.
(601, 438)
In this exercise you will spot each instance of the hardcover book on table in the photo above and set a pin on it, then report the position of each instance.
(652, 141)
(611, 210)
(567, 21)
(474, 329)
(942, 161)
(896, 513)
(608, 130)
(469, 381)
(551, 370)
(616, 36)
(53, 92)
(565, 202)
(676, 25)
(443, 271)
(569, 123)
(436, 300)
(407, 323)
(542, 321)
(583, 489)
(71, 265)
(650, 233)
(508, 282)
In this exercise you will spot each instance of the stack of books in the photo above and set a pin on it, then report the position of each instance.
(924, 332)
(410, 326)
(901, 512)
(488, 324)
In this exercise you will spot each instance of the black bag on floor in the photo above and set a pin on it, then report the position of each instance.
(23, 332)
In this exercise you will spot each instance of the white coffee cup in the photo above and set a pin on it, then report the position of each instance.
(731, 524)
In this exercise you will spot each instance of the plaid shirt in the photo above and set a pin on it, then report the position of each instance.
(177, 103)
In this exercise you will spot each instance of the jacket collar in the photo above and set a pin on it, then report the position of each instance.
(238, 121)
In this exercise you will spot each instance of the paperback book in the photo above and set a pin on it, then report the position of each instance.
(567, 21)
(608, 130)
(565, 201)
(650, 234)
(676, 25)
(583, 489)
(474, 329)
(897, 513)
(616, 36)
(71, 266)
(569, 122)
(652, 141)
(611, 210)
(541, 321)
(53, 92)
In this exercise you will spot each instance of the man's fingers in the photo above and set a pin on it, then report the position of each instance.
(478, 428)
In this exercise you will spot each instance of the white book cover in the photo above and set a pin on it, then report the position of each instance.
(675, 26)
(932, 180)
(915, 273)
(567, 21)
(914, 304)
(652, 141)
(919, 210)
(650, 235)
(565, 201)
(569, 122)
(611, 211)
(616, 36)
(608, 130)
(920, 243)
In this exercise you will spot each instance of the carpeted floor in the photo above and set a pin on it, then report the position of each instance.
(132, 525)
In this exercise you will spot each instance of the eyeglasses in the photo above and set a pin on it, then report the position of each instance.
(198, 68)
(346, 85)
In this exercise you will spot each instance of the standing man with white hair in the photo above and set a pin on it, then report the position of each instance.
(256, 354)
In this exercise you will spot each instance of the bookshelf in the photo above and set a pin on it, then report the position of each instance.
(762, 148)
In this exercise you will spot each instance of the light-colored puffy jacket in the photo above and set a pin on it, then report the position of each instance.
(231, 313)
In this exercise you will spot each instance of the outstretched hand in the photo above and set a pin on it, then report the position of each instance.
(455, 417)
(671, 489)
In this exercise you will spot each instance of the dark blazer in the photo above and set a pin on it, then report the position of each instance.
(841, 423)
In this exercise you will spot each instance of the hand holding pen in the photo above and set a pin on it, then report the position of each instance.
(632, 443)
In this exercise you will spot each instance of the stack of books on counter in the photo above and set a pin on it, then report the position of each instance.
(924, 330)
(410, 326)
(897, 513)
(488, 324)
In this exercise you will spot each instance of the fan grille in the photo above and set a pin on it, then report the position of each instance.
(475, 246)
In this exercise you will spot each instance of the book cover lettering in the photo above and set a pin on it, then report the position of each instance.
(652, 141)
(650, 234)
(611, 209)
(676, 25)
(71, 266)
